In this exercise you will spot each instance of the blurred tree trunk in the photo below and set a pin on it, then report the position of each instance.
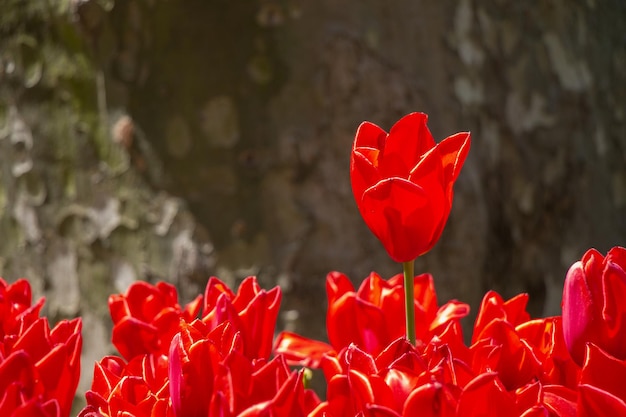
(146, 139)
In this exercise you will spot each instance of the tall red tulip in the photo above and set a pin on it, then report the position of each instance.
(593, 304)
(402, 183)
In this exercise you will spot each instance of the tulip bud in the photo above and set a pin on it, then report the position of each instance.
(593, 307)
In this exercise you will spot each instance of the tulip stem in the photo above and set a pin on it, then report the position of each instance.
(409, 303)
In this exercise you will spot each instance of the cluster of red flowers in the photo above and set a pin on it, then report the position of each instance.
(210, 358)
(39, 366)
(221, 364)
(219, 356)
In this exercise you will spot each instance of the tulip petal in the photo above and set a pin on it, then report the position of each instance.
(430, 400)
(604, 371)
(175, 373)
(18, 367)
(613, 311)
(409, 139)
(369, 135)
(486, 397)
(363, 171)
(453, 150)
(364, 159)
(214, 289)
(578, 312)
(594, 401)
(301, 350)
(401, 216)
(452, 310)
(351, 320)
(337, 284)
(560, 400)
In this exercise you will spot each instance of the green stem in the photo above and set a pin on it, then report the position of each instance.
(409, 303)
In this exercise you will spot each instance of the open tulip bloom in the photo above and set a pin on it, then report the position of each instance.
(218, 355)
(402, 183)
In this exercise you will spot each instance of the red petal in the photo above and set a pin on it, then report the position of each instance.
(214, 288)
(301, 350)
(192, 309)
(59, 380)
(453, 151)
(494, 307)
(578, 315)
(409, 139)
(175, 373)
(368, 135)
(425, 294)
(376, 410)
(430, 400)
(594, 401)
(337, 284)
(363, 172)
(18, 367)
(248, 290)
(560, 400)
(19, 293)
(402, 217)
(133, 337)
(614, 311)
(603, 371)
(452, 310)
(350, 320)
(258, 320)
(485, 396)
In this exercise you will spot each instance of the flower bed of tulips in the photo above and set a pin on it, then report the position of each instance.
(393, 350)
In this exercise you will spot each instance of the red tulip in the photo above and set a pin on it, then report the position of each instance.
(39, 366)
(146, 318)
(593, 304)
(252, 311)
(372, 317)
(398, 382)
(139, 388)
(520, 350)
(402, 183)
(502, 349)
(16, 311)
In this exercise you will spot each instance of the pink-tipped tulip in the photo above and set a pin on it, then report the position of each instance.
(593, 304)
